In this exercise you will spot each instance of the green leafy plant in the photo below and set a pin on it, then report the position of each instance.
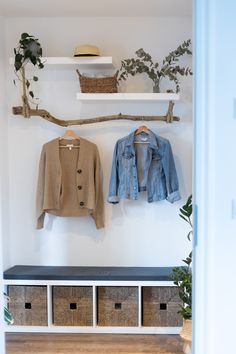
(182, 276)
(7, 315)
(28, 50)
(155, 71)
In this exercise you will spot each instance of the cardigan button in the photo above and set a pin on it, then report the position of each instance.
(81, 204)
(79, 188)
(79, 171)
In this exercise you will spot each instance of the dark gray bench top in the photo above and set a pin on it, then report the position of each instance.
(21, 272)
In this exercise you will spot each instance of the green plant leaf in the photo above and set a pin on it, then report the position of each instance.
(8, 316)
(185, 212)
(33, 59)
(187, 261)
(24, 35)
(27, 53)
(31, 94)
(18, 65)
(189, 235)
(183, 217)
(18, 57)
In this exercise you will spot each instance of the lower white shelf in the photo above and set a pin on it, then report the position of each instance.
(137, 97)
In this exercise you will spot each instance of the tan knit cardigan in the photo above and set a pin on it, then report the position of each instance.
(89, 176)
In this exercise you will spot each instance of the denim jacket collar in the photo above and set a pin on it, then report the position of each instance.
(152, 139)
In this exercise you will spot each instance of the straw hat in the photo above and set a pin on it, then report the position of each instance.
(86, 50)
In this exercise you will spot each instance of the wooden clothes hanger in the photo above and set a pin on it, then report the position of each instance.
(142, 129)
(69, 135)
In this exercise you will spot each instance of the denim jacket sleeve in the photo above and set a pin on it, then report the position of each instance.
(114, 179)
(172, 185)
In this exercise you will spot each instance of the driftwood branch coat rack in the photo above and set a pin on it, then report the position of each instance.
(26, 111)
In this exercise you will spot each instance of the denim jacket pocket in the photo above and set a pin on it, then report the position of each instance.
(128, 154)
(155, 155)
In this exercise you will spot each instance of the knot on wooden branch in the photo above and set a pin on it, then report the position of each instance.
(17, 110)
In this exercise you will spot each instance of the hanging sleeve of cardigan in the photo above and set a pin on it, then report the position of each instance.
(98, 212)
(40, 213)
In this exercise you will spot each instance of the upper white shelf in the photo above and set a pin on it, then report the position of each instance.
(144, 97)
(75, 62)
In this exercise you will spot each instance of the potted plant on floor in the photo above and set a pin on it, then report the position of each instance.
(182, 277)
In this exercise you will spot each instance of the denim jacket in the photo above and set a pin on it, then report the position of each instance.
(140, 167)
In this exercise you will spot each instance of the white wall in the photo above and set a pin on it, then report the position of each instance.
(215, 188)
(136, 233)
(3, 175)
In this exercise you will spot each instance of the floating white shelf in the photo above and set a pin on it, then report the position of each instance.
(75, 62)
(141, 97)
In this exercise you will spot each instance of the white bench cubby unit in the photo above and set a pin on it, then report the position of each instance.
(120, 278)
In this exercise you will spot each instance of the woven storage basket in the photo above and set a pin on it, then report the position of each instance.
(28, 305)
(98, 84)
(72, 305)
(161, 306)
(117, 306)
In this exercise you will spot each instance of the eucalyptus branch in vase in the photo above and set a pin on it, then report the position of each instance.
(28, 50)
(155, 71)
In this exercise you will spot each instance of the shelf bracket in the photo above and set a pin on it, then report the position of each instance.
(169, 114)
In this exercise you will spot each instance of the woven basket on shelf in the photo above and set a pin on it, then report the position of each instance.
(107, 84)
(117, 306)
(72, 305)
(28, 305)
